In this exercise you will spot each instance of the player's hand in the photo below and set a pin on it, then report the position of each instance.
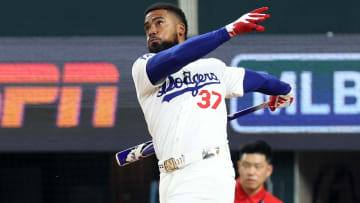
(248, 22)
(281, 101)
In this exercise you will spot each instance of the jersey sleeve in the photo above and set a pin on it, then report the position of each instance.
(233, 77)
(171, 60)
(142, 83)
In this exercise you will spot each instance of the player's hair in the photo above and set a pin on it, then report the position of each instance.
(172, 8)
(258, 147)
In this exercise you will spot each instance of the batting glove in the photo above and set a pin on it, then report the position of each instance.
(247, 22)
(281, 101)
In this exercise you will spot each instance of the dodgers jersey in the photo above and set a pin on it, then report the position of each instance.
(186, 111)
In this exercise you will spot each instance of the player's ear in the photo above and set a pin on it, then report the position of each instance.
(270, 169)
(238, 166)
(180, 28)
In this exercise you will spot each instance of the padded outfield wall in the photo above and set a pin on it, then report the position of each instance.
(76, 93)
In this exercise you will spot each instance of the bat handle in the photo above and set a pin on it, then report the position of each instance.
(247, 111)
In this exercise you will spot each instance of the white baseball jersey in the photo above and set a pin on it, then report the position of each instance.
(186, 111)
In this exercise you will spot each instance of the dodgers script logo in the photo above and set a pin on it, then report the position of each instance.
(194, 83)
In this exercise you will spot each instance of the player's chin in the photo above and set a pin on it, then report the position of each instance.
(251, 184)
(155, 47)
(152, 43)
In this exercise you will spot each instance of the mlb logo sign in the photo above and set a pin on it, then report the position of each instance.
(326, 87)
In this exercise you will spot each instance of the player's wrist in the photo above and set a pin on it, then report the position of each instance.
(288, 89)
(225, 32)
(230, 30)
(291, 92)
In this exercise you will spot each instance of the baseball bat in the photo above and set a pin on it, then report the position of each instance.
(146, 149)
(135, 153)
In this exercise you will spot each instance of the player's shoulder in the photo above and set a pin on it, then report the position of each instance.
(212, 61)
(146, 56)
(213, 64)
(142, 60)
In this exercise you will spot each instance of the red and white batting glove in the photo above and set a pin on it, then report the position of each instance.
(247, 22)
(281, 101)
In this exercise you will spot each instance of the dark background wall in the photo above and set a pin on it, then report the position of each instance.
(68, 18)
(288, 17)
(119, 18)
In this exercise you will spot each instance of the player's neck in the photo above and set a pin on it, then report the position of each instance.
(181, 40)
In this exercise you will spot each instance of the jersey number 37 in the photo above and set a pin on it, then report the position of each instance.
(205, 99)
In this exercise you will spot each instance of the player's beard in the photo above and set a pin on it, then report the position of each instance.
(157, 47)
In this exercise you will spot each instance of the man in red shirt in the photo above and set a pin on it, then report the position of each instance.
(254, 167)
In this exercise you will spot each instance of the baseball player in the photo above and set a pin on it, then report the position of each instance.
(183, 100)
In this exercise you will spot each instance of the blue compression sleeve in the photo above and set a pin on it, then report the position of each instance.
(172, 60)
(264, 83)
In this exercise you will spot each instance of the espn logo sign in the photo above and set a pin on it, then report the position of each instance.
(42, 83)
(326, 86)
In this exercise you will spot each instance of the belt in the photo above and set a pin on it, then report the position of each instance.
(178, 162)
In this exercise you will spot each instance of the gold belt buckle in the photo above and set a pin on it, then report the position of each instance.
(170, 165)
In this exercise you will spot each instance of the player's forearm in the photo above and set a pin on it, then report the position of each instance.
(172, 60)
(264, 83)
